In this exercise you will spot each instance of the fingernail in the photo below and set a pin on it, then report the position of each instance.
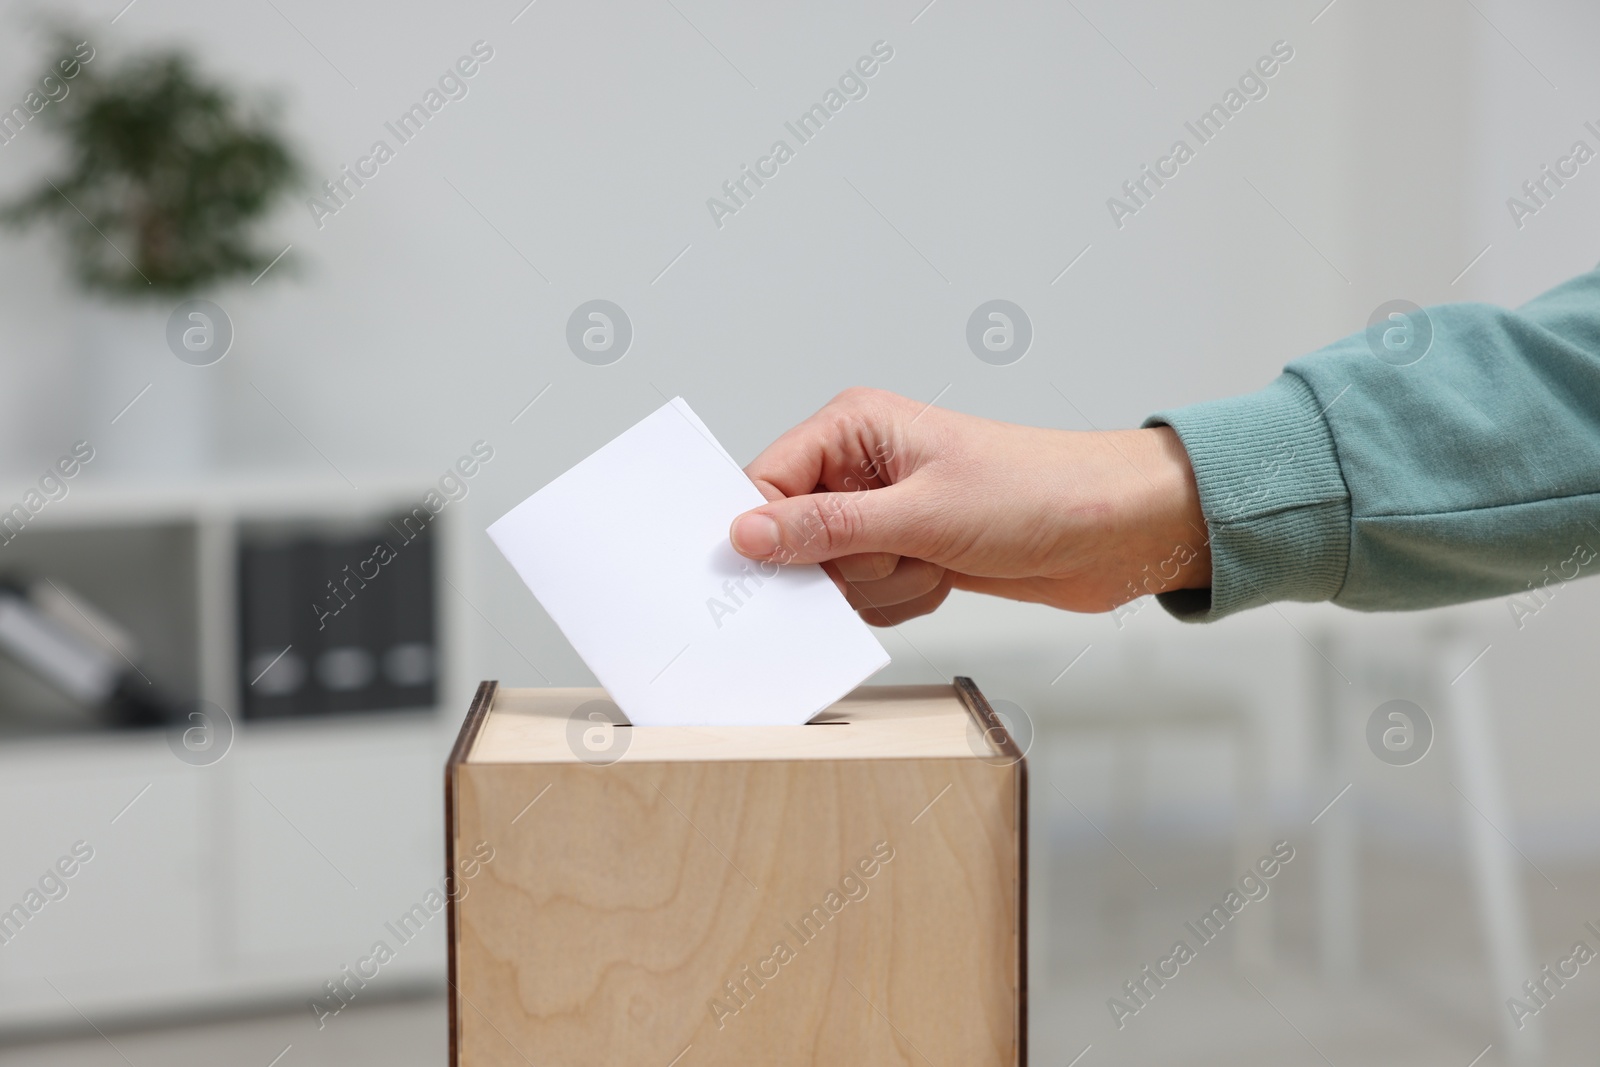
(755, 535)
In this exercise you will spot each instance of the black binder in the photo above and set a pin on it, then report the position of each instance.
(408, 662)
(336, 624)
(346, 666)
(276, 624)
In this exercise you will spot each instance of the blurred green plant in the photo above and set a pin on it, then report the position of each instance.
(166, 175)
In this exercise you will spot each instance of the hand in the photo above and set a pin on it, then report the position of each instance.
(902, 502)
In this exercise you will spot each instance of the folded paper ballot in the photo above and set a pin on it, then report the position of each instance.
(628, 551)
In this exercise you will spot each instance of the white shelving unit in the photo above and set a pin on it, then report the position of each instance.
(256, 878)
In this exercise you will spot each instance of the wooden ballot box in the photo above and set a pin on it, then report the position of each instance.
(848, 892)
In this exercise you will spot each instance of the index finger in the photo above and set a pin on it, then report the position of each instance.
(839, 449)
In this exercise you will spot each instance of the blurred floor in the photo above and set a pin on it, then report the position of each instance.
(1423, 997)
(398, 1033)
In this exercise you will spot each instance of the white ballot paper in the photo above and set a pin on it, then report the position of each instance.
(628, 551)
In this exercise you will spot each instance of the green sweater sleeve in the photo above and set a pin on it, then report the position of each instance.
(1473, 471)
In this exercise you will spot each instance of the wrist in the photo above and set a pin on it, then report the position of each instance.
(1166, 508)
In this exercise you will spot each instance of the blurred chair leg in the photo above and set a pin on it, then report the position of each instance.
(1338, 880)
(1127, 784)
(1496, 864)
(1253, 948)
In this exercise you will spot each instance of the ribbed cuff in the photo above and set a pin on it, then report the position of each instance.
(1273, 497)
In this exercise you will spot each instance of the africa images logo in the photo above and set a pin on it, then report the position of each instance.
(1252, 85)
(199, 332)
(740, 991)
(999, 332)
(598, 733)
(1399, 733)
(599, 332)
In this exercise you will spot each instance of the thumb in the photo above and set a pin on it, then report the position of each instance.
(824, 526)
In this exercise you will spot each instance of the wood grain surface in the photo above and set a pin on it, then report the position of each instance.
(763, 911)
(873, 722)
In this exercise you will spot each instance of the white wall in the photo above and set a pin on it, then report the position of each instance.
(991, 141)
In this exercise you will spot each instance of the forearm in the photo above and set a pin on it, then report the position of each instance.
(1382, 487)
